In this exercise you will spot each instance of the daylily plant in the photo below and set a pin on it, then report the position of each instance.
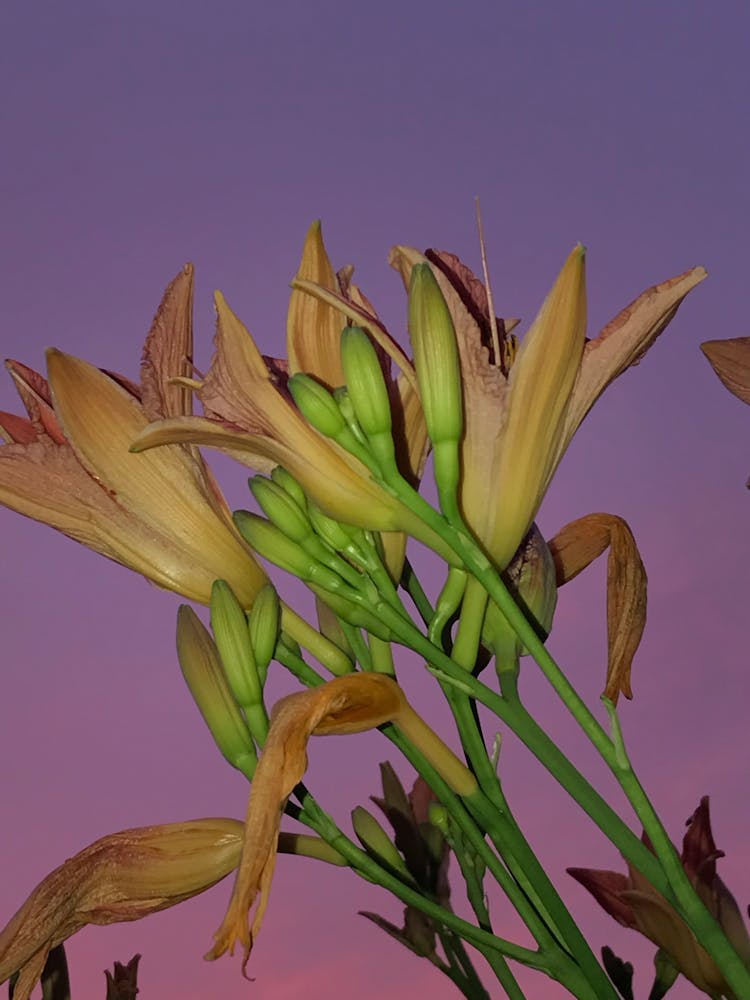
(344, 425)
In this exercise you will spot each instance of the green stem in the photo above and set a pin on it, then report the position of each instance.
(382, 656)
(297, 666)
(454, 949)
(475, 895)
(325, 826)
(412, 586)
(692, 909)
(524, 727)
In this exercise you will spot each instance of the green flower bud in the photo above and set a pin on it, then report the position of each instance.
(438, 816)
(353, 613)
(275, 546)
(287, 482)
(344, 400)
(438, 369)
(368, 392)
(316, 405)
(337, 535)
(264, 627)
(377, 843)
(321, 411)
(532, 579)
(203, 673)
(232, 638)
(281, 509)
(330, 627)
(433, 340)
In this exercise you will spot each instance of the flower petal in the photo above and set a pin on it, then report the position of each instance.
(123, 876)
(167, 491)
(574, 548)
(168, 352)
(541, 381)
(622, 343)
(313, 327)
(730, 359)
(345, 705)
(607, 887)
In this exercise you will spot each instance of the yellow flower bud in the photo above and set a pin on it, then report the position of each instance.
(204, 675)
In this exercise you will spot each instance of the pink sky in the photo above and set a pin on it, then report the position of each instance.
(138, 137)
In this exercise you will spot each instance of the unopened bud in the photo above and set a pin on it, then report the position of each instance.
(433, 340)
(264, 626)
(531, 579)
(354, 613)
(316, 405)
(275, 546)
(281, 509)
(232, 637)
(337, 535)
(321, 411)
(368, 392)
(377, 843)
(438, 369)
(287, 482)
(205, 677)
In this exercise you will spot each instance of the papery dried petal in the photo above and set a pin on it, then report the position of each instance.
(123, 876)
(730, 359)
(574, 548)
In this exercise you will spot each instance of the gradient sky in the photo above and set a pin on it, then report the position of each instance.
(138, 136)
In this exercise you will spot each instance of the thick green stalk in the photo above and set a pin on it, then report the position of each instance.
(698, 918)
(520, 723)
(412, 586)
(325, 826)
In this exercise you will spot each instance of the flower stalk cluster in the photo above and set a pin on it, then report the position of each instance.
(338, 435)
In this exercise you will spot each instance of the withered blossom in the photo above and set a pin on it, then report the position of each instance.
(634, 903)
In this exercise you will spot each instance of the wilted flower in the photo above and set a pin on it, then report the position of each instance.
(633, 902)
(425, 853)
(730, 359)
(123, 876)
(69, 465)
(342, 706)
(574, 548)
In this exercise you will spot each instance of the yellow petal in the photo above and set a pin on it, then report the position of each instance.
(354, 311)
(574, 548)
(166, 490)
(541, 381)
(313, 327)
(622, 343)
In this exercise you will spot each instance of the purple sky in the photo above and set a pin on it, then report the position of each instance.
(138, 137)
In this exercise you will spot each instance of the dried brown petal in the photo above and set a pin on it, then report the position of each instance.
(730, 359)
(573, 548)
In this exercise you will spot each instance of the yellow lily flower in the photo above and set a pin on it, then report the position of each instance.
(250, 413)
(69, 465)
(346, 705)
(522, 409)
(123, 876)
